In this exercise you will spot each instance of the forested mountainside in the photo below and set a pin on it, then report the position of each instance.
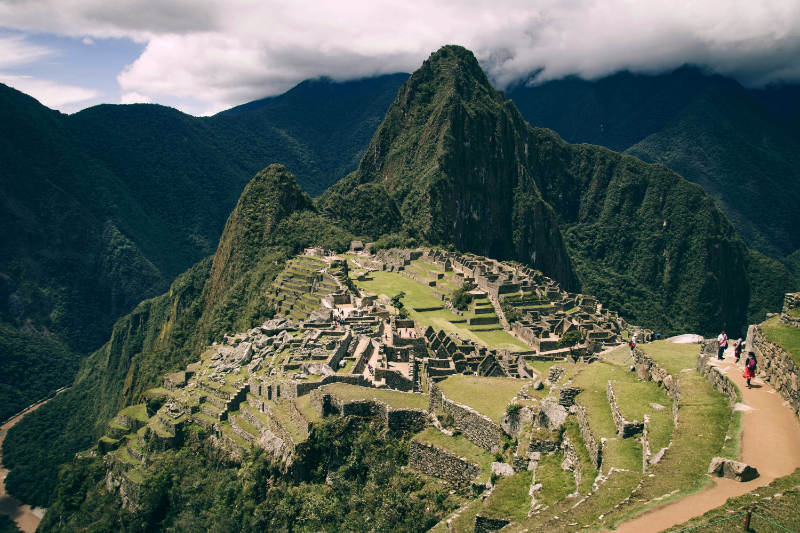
(454, 162)
(645, 240)
(740, 144)
(103, 208)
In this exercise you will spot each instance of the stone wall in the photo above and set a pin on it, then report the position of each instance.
(724, 385)
(625, 428)
(649, 370)
(478, 428)
(439, 463)
(485, 524)
(593, 445)
(412, 420)
(790, 301)
(406, 420)
(776, 366)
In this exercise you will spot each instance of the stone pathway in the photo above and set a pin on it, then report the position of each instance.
(770, 441)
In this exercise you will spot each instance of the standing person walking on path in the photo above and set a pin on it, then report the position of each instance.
(749, 368)
(722, 342)
(737, 348)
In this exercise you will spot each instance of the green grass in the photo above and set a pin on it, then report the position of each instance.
(226, 428)
(589, 472)
(787, 337)
(618, 486)
(556, 483)
(673, 357)
(703, 420)
(777, 502)
(137, 412)
(634, 399)
(794, 312)
(460, 446)
(488, 396)
(393, 398)
(619, 453)
(509, 499)
(303, 404)
(418, 295)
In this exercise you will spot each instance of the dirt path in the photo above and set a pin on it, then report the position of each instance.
(26, 517)
(770, 441)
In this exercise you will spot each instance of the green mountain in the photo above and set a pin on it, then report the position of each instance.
(740, 144)
(105, 207)
(453, 164)
(458, 164)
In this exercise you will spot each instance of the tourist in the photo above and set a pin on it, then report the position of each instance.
(722, 343)
(737, 348)
(633, 343)
(750, 368)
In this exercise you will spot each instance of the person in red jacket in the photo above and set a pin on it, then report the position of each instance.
(749, 368)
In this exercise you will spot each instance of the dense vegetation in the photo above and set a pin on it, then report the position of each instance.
(347, 477)
(103, 208)
(740, 144)
(273, 220)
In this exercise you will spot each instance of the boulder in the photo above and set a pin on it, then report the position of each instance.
(502, 469)
(731, 469)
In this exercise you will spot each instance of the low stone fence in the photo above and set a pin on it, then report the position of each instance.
(485, 524)
(478, 428)
(625, 428)
(435, 462)
(649, 370)
(776, 366)
(721, 382)
(593, 445)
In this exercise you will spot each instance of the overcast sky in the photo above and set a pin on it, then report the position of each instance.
(203, 56)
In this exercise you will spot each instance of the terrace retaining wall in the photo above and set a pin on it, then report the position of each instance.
(436, 462)
(478, 428)
(593, 445)
(776, 366)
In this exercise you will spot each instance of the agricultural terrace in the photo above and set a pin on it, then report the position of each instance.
(488, 396)
(427, 309)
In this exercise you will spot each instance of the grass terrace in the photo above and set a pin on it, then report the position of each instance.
(635, 400)
(488, 396)
(673, 357)
(787, 337)
(136, 412)
(572, 431)
(420, 296)
(703, 420)
(617, 452)
(392, 398)
(303, 404)
(460, 446)
(556, 483)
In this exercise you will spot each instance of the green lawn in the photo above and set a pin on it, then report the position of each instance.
(634, 401)
(673, 357)
(137, 412)
(489, 396)
(787, 337)
(509, 499)
(393, 398)
(572, 431)
(303, 404)
(703, 420)
(556, 483)
(419, 296)
(617, 452)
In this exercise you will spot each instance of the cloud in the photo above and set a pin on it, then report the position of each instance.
(221, 54)
(15, 51)
(50, 93)
(134, 98)
(88, 41)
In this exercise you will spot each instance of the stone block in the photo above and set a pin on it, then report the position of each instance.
(728, 468)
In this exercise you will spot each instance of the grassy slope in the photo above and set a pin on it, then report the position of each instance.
(396, 399)
(488, 396)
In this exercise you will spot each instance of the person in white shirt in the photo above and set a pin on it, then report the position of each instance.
(722, 343)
